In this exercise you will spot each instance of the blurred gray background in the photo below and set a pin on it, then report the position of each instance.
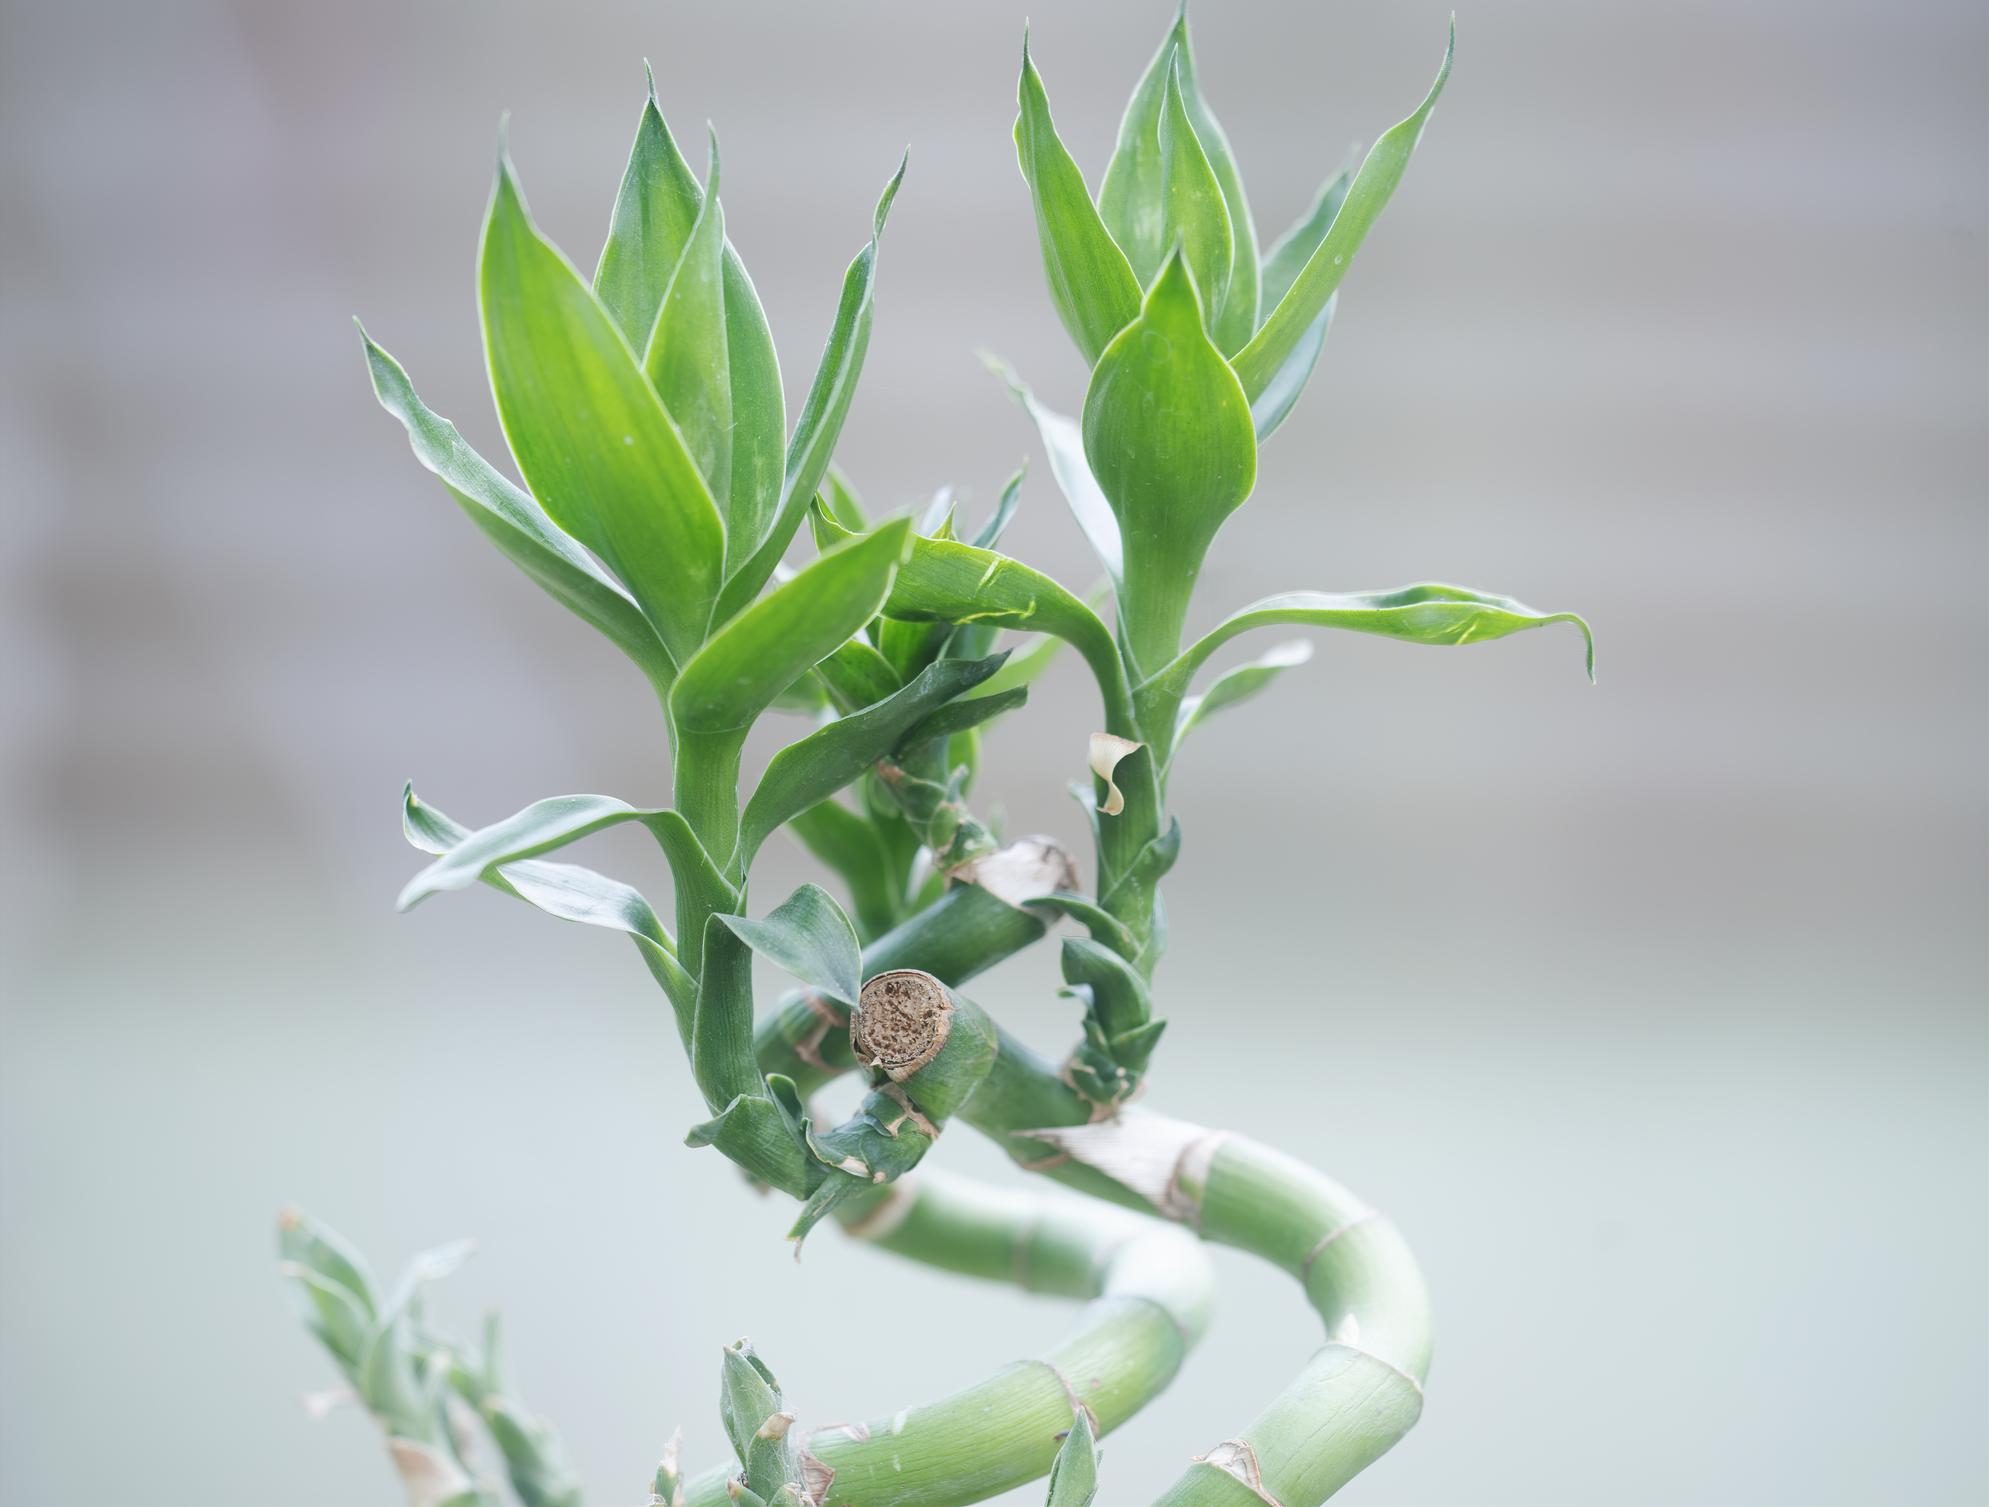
(1655, 1013)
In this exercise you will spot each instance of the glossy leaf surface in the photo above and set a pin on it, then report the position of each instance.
(588, 431)
(1091, 283)
(808, 936)
(812, 770)
(1235, 686)
(947, 581)
(684, 356)
(1415, 614)
(1270, 407)
(516, 524)
(1286, 325)
(754, 657)
(1197, 216)
(822, 413)
(1168, 434)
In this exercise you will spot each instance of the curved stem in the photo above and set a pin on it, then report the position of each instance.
(1150, 1288)
(1363, 1390)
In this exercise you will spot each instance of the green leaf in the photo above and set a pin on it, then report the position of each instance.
(1274, 404)
(1131, 200)
(1064, 444)
(659, 206)
(1285, 328)
(1074, 1475)
(654, 213)
(754, 657)
(857, 675)
(1285, 260)
(588, 431)
(1237, 319)
(1025, 664)
(1428, 614)
(569, 893)
(839, 497)
(1091, 283)
(1135, 199)
(314, 1248)
(944, 580)
(341, 1324)
(965, 714)
(1197, 217)
(553, 823)
(822, 414)
(564, 890)
(988, 535)
(1238, 685)
(684, 356)
(851, 849)
(516, 524)
(1167, 433)
(808, 936)
(810, 771)
(1087, 912)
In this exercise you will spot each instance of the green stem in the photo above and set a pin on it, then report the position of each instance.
(1151, 1292)
(1359, 1393)
(706, 776)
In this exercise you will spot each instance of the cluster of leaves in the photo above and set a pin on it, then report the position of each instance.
(663, 489)
(432, 1395)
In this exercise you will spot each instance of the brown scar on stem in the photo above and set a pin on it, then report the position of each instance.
(1235, 1457)
(901, 1021)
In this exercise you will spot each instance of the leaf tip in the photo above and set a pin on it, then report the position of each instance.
(649, 78)
(884, 200)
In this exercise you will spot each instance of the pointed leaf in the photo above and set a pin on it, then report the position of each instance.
(1074, 1475)
(808, 936)
(1285, 328)
(516, 524)
(588, 431)
(988, 535)
(946, 581)
(1239, 685)
(555, 822)
(751, 660)
(1270, 407)
(570, 893)
(1065, 445)
(1416, 614)
(1091, 283)
(821, 422)
(684, 356)
(1284, 261)
(1237, 320)
(857, 675)
(1035, 655)
(654, 212)
(1197, 217)
(812, 770)
(1167, 433)
(659, 205)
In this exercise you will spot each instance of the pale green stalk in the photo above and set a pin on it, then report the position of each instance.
(1150, 1293)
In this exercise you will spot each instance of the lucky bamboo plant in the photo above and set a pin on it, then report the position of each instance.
(663, 492)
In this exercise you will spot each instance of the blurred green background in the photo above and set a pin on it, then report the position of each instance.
(1654, 1013)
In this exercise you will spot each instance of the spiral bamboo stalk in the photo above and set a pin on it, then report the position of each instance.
(1150, 1292)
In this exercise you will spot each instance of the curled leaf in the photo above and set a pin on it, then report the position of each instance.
(1106, 751)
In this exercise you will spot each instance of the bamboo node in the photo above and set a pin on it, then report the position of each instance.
(900, 1021)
